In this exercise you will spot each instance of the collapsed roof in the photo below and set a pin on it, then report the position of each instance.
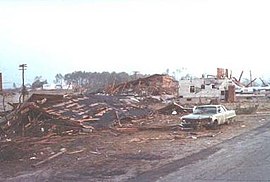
(156, 84)
(57, 113)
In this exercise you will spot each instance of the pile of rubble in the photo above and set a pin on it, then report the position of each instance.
(61, 114)
(174, 109)
(153, 85)
(43, 113)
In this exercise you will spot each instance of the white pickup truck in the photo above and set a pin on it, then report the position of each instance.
(208, 116)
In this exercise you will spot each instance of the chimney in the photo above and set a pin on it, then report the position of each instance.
(220, 73)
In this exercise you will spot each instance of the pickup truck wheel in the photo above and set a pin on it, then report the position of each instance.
(231, 120)
(215, 125)
(196, 127)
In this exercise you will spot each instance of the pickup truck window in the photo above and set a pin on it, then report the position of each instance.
(221, 109)
(224, 108)
(205, 110)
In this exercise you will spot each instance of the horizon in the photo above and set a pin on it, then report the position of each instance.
(177, 75)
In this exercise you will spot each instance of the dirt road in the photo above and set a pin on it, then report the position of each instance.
(114, 156)
(242, 158)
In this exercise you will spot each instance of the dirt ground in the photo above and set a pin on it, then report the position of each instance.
(113, 154)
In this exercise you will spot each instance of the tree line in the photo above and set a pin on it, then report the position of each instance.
(94, 81)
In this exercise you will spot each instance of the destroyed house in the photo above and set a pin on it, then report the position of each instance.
(46, 113)
(157, 84)
(208, 88)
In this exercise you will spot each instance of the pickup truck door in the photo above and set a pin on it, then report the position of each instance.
(228, 114)
(221, 115)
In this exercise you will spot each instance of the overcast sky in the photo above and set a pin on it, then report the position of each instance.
(141, 35)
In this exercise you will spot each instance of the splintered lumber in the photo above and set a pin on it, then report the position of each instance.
(82, 113)
(157, 84)
(76, 152)
(173, 107)
(101, 112)
(117, 118)
(127, 130)
(71, 105)
(62, 151)
(88, 120)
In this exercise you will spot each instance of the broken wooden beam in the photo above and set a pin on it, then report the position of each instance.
(62, 151)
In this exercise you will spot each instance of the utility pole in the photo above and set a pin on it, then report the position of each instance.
(136, 74)
(23, 68)
(250, 74)
(1, 83)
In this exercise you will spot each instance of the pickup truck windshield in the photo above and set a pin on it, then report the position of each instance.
(205, 110)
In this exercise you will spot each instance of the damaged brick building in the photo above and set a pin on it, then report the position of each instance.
(207, 88)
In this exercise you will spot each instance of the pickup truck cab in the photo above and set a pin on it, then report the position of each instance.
(208, 115)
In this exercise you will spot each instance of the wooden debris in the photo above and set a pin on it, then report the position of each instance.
(62, 151)
(174, 107)
(152, 85)
(76, 152)
(32, 119)
(127, 130)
